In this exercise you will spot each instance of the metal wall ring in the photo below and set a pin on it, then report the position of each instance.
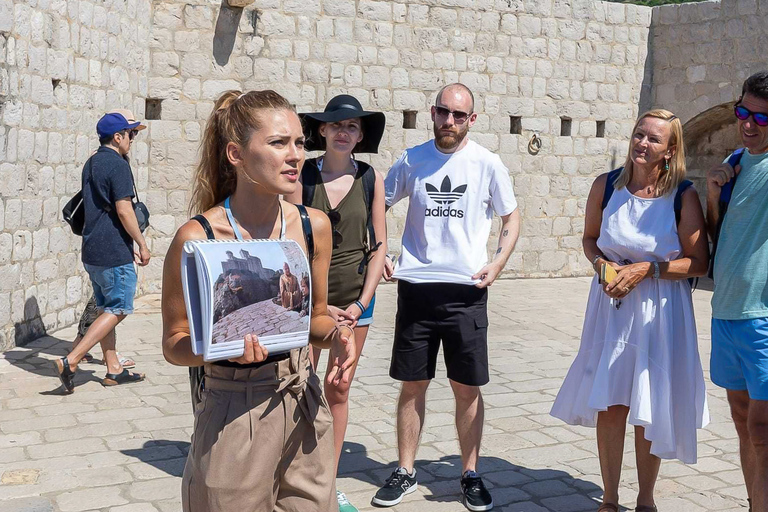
(534, 146)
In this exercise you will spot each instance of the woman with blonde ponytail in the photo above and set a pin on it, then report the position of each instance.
(262, 439)
(639, 358)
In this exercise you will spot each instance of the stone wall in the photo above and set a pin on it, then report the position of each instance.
(702, 53)
(539, 60)
(62, 64)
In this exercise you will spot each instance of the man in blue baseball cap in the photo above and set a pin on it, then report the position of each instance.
(110, 230)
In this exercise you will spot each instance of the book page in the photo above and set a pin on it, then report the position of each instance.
(259, 287)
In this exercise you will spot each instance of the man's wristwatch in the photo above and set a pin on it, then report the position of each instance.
(656, 270)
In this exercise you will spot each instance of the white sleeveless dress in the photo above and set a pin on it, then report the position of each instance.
(645, 354)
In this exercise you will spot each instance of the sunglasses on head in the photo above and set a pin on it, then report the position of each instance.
(459, 117)
(335, 217)
(743, 113)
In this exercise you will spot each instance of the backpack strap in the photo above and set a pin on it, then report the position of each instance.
(306, 227)
(612, 177)
(722, 206)
(206, 226)
(369, 188)
(309, 178)
(727, 190)
(681, 188)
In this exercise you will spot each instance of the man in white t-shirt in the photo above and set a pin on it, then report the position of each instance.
(454, 186)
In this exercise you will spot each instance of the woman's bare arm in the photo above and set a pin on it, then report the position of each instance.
(177, 347)
(593, 220)
(322, 325)
(376, 263)
(693, 237)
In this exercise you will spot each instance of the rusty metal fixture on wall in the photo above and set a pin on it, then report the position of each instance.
(239, 3)
(534, 146)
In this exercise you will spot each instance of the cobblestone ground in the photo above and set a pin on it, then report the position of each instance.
(270, 319)
(122, 449)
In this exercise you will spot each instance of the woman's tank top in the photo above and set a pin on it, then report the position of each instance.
(350, 234)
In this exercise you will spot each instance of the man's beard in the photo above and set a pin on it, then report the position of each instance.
(451, 141)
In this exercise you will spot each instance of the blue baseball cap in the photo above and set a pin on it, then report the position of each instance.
(112, 123)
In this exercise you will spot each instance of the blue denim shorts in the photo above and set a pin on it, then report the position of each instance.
(739, 359)
(367, 317)
(113, 287)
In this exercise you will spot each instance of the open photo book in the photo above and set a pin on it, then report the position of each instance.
(238, 287)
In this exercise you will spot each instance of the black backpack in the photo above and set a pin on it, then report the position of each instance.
(722, 206)
(74, 211)
(310, 175)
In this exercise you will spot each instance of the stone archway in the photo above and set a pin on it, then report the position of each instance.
(709, 138)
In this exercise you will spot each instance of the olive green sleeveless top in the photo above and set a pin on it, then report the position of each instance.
(344, 282)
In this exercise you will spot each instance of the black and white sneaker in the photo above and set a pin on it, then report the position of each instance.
(474, 495)
(398, 485)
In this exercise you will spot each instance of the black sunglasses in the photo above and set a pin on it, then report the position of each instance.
(743, 113)
(335, 217)
(132, 134)
(459, 117)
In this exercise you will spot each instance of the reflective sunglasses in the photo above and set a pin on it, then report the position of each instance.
(335, 217)
(743, 113)
(459, 117)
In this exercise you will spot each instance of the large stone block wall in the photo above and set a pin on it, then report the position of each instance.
(62, 64)
(702, 53)
(540, 60)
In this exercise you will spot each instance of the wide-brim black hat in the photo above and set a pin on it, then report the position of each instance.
(340, 108)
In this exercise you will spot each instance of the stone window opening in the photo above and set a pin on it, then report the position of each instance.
(600, 129)
(153, 109)
(515, 125)
(565, 126)
(409, 119)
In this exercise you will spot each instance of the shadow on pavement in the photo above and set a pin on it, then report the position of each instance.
(32, 341)
(28, 355)
(507, 482)
(166, 456)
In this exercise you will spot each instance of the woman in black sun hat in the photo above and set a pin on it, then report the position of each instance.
(351, 193)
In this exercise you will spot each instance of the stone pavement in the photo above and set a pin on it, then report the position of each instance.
(122, 449)
(264, 318)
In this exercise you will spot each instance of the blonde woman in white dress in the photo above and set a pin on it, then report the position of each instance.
(639, 358)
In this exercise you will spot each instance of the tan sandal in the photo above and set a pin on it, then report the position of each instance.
(608, 507)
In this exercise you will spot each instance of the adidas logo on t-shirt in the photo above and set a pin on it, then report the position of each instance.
(445, 196)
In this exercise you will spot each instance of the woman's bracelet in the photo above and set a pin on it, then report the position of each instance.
(594, 261)
(360, 305)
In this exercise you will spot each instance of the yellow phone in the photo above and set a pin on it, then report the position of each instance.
(607, 273)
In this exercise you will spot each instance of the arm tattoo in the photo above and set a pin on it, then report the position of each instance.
(505, 233)
(498, 250)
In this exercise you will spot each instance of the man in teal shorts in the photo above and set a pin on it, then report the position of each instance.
(739, 361)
